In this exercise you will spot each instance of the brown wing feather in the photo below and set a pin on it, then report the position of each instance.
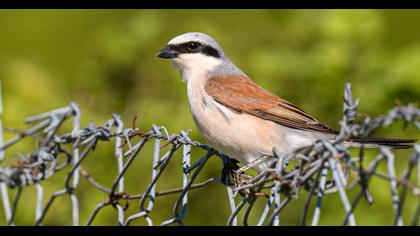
(244, 95)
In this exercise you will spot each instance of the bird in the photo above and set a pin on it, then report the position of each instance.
(235, 115)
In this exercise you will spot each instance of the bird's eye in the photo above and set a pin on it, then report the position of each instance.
(193, 46)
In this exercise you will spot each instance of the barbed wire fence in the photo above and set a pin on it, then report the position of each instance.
(319, 169)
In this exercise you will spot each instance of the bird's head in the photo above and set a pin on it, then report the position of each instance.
(193, 51)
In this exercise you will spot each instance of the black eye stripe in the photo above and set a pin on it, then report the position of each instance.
(181, 48)
(210, 51)
(205, 49)
(194, 46)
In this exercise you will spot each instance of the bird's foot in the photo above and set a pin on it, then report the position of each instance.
(242, 182)
(241, 179)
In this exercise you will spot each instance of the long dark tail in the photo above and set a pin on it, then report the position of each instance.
(389, 142)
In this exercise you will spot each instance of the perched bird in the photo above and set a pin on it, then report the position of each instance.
(235, 115)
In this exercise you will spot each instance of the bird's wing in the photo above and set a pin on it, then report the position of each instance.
(243, 95)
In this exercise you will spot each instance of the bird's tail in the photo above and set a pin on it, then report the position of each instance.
(377, 142)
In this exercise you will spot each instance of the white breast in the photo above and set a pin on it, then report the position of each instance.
(240, 136)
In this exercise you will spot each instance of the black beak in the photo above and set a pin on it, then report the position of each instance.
(167, 53)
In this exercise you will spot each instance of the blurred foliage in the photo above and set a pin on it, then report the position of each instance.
(105, 61)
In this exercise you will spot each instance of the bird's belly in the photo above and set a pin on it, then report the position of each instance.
(244, 137)
(238, 135)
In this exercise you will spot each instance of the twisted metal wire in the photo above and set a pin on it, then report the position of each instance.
(325, 167)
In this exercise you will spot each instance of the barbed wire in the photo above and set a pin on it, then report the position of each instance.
(325, 167)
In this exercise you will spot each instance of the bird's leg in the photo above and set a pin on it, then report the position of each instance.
(229, 167)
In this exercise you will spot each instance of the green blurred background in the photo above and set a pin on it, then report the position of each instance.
(105, 60)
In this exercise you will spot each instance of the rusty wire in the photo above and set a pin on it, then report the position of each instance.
(321, 168)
